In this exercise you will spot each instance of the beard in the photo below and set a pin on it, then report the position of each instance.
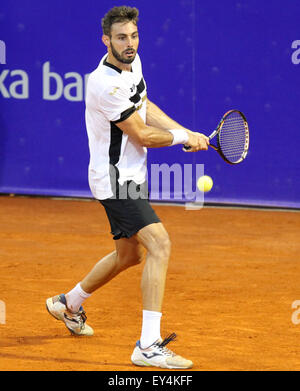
(121, 57)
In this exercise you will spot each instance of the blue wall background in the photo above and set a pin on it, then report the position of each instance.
(200, 59)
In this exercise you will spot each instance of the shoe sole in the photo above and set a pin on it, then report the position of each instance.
(145, 364)
(142, 363)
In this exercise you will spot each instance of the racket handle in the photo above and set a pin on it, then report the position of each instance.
(187, 147)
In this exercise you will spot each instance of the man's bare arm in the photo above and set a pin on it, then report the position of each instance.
(156, 117)
(154, 137)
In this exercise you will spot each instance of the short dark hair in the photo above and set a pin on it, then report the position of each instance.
(117, 15)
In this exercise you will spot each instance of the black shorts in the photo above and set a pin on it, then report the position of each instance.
(128, 215)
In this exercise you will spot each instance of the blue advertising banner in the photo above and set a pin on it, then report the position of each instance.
(200, 59)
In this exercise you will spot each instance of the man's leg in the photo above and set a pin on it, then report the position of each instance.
(68, 309)
(156, 240)
(129, 252)
(151, 350)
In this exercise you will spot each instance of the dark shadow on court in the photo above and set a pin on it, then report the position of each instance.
(60, 360)
(29, 340)
(44, 339)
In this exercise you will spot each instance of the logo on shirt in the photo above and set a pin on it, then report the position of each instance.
(132, 88)
(114, 91)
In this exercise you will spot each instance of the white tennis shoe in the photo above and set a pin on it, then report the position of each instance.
(158, 355)
(75, 322)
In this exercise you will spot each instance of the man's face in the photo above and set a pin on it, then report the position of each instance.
(124, 41)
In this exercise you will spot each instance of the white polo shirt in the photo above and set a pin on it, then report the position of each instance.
(112, 96)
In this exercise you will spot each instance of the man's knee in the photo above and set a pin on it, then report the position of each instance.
(165, 246)
(156, 240)
(161, 247)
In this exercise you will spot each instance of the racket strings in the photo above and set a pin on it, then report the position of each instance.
(233, 137)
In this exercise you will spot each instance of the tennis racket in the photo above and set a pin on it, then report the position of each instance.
(231, 137)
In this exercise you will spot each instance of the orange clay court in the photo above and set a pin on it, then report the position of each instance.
(233, 276)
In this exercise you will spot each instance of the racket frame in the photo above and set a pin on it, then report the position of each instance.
(217, 132)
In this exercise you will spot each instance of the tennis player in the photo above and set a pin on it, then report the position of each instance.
(121, 124)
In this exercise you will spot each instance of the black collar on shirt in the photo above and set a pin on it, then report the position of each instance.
(108, 64)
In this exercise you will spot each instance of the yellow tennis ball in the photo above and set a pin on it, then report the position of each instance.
(205, 183)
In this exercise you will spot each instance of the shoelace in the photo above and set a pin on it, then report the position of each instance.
(80, 318)
(162, 345)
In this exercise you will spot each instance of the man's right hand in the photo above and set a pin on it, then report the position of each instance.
(197, 142)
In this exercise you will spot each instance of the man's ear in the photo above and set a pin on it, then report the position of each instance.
(106, 40)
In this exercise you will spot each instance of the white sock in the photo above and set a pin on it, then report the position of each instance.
(150, 328)
(76, 297)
